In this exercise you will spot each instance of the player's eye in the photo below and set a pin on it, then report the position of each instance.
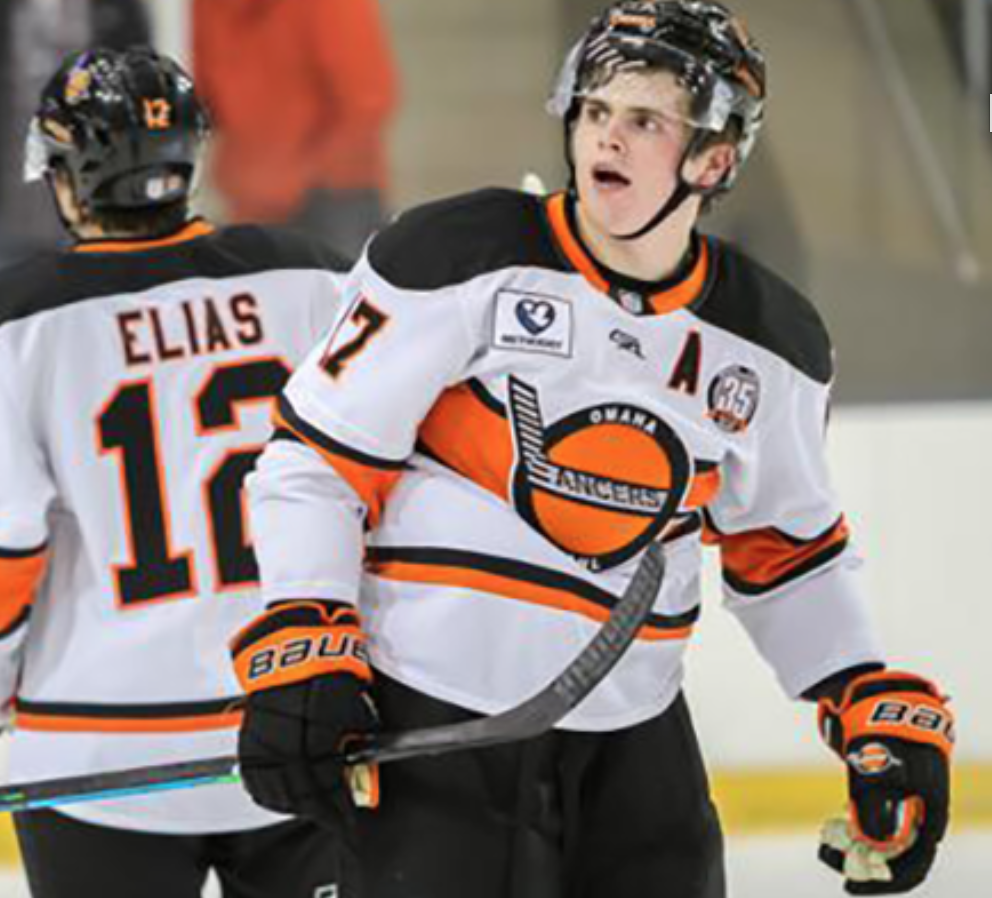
(595, 113)
(649, 123)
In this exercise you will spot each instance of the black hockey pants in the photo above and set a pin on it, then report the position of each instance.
(623, 814)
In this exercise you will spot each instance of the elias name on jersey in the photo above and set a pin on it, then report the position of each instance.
(190, 328)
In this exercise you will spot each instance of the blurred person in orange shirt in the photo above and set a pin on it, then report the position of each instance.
(301, 92)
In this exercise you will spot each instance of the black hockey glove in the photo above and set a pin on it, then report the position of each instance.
(304, 668)
(895, 733)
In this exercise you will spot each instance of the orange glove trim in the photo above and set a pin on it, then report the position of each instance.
(921, 717)
(296, 653)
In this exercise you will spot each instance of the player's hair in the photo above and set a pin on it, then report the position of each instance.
(151, 221)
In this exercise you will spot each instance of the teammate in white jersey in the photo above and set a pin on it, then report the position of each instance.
(136, 377)
(521, 394)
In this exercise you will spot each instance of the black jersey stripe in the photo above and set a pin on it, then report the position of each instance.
(17, 554)
(485, 397)
(514, 569)
(19, 620)
(307, 433)
(810, 564)
(113, 711)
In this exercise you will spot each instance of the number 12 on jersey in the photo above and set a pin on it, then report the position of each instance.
(129, 427)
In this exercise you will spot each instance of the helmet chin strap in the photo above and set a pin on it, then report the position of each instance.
(683, 190)
(679, 195)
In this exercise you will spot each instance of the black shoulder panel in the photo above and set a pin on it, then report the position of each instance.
(55, 279)
(272, 248)
(752, 302)
(454, 240)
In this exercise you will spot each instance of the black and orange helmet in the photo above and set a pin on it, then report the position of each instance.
(701, 42)
(126, 126)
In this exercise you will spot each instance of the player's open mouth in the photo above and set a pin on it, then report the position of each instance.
(609, 178)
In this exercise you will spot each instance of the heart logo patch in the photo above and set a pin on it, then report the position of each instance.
(536, 315)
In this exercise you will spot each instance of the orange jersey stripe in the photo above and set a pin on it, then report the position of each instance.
(760, 560)
(319, 650)
(682, 294)
(193, 230)
(703, 489)
(19, 576)
(862, 720)
(510, 588)
(372, 484)
(570, 245)
(687, 291)
(45, 723)
(465, 435)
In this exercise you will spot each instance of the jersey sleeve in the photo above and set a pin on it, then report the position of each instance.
(26, 495)
(346, 424)
(300, 508)
(789, 569)
(325, 302)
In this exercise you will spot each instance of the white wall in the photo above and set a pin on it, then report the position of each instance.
(169, 21)
(917, 487)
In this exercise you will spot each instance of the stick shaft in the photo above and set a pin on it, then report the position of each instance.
(536, 715)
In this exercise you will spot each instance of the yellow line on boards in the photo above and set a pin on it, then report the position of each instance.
(764, 801)
(781, 799)
(9, 853)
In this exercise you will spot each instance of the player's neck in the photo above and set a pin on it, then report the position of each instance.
(88, 230)
(650, 258)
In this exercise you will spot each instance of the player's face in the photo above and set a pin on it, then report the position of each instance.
(627, 146)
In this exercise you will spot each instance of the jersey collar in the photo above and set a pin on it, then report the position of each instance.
(191, 231)
(676, 293)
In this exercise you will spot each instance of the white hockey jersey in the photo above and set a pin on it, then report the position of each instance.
(137, 382)
(514, 425)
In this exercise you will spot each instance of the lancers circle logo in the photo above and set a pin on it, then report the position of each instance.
(600, 483)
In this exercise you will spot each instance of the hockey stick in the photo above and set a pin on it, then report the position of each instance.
(536, 715)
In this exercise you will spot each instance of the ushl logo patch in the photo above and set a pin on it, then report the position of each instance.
(532, 322)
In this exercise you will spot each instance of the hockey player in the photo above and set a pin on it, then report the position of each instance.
(522, 394)
(136, 373)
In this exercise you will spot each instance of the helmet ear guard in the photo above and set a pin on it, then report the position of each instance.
(126, 127)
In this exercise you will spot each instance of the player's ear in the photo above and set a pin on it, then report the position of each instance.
(707, 168)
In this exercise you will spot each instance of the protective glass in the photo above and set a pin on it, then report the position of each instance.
(36, 155)
(588, 67)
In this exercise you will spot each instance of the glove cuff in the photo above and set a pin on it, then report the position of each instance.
(295, 641)
(887, 703)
